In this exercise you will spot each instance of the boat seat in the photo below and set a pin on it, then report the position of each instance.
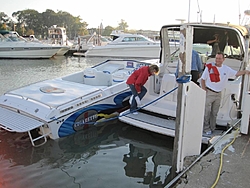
(120, 76)
(97, 78)
(110, 68)
(89, 76)
(77, 78)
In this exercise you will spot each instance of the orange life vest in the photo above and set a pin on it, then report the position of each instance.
(213, 72)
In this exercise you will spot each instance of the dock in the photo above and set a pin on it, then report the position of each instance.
(71, 52)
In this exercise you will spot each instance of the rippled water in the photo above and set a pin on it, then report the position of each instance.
(110, 155)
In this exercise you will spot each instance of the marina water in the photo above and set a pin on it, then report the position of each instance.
(112, 154)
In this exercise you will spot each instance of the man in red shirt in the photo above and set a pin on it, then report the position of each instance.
(136, 81)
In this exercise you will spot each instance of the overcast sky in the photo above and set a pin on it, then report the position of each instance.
(139, 14)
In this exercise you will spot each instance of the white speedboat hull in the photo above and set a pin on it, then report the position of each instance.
(134, 51)
(27, 50)
(62, 106)
(127, 45)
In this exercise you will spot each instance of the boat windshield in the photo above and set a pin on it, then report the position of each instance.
(136, 39)
(14, 37)
(4, 39)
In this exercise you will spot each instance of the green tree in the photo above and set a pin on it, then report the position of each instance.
(40, 22)
(27, 19)
(5, 21)
(48, 19)
(122, 25)
(30, 20)
(107, 30)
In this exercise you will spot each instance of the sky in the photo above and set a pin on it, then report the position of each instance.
(139, 14)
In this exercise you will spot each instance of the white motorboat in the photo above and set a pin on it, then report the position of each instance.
(90, 41)
(126, 45)
(63, 50)
(169, 99)
(25, 50)
(62, 106)
(178, 104)
(58, 37)
(83, 43)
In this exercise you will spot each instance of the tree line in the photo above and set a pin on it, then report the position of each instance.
(31, 22)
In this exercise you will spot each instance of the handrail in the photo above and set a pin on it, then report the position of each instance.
(77, 98)
(29, 98)
(158, 98)
(51, 107)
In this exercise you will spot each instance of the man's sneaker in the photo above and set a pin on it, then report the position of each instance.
(131, 98)
(135, 113)
(138, 101)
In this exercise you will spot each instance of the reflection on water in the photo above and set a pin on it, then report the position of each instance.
(108, 155)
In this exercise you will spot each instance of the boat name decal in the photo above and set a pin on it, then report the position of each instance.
(85, 118)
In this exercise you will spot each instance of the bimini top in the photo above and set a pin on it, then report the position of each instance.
(205, 31)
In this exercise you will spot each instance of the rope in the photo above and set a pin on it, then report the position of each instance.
(221, 159)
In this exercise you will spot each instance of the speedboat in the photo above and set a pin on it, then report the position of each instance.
(126, 45)
(65, 105)
(14, 47)
(176, 103)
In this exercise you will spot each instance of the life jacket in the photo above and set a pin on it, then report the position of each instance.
(213, 72)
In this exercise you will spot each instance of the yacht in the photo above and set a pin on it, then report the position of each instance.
(58, 37)
(12, 46)
(126, 45)
(174, 106)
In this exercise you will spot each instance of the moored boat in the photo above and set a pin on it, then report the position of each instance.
(65, 105)
(126, 45)
(175, 106)
(57, 37)
(159, 113)
(13, 47)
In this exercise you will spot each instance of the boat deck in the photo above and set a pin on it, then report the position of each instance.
(24, 124)
(161, 125)
(55, 92)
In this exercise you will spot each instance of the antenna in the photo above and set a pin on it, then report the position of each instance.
(198, 12)
(189, 12)
(239, 11)
(201, 17)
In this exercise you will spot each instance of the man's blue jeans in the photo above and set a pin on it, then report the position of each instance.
(143, 92)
